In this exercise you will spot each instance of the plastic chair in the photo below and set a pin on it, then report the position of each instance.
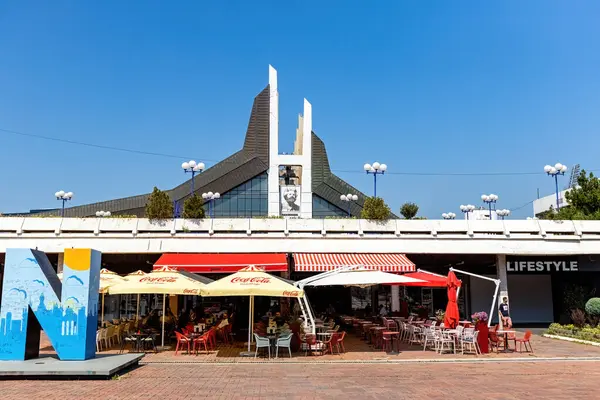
(262, 343)
(526, 340)
(340, 341)
(202, 340)
(284, 342)
(183, 341)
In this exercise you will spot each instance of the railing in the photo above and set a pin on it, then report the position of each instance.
(440, 229)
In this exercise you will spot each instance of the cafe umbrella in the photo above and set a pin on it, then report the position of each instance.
(252, 281)
(165, 281)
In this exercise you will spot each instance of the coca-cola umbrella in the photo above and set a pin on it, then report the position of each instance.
(251, 281)
(163, 281)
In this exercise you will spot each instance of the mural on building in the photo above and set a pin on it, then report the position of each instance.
(67, 311)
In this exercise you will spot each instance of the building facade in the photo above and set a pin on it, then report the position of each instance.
(258, 180)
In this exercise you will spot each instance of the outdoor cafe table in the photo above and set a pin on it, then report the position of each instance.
(394, 338)
(505, 333)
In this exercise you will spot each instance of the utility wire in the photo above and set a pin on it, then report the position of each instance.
(181, 157)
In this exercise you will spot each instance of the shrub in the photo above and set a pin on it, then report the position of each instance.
(592, 307)
(409, 210)
(578, 318)
(159, 205)
(375, 209)
(193, 207)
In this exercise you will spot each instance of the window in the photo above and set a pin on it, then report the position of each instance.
(244, 201)
(322, 208)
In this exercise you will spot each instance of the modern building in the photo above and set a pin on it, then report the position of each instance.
(547, 203)
(258, 180)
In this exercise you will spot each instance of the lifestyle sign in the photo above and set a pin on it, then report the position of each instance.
(542, 266)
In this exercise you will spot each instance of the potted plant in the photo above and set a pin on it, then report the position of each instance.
(480, 320)
(440, 315)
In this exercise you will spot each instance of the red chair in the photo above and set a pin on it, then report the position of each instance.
(183, 341)
(526, 340)
(340, 341)
(202, 340)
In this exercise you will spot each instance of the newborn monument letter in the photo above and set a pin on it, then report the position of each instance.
(33, 297)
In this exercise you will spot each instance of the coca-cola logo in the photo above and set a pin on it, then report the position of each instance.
(255, 280)
(190, 291)
(293, 293)
(158, 280)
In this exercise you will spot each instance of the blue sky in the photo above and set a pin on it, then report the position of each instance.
(426, 87)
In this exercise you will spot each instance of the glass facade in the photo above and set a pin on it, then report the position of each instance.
(247, 200)
(322, 208)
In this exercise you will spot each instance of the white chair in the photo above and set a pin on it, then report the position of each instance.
(469, 338)
(261, 343)
(446, 339)
(430, 337)
(284, 342)
(98, 343)
(103, 338)
(415, 335)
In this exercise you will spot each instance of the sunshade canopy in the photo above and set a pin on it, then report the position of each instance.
(359, 276)
(161, 281)
(107, 279)
(426, 280)
(222, 262)
(251, 281)
(320, 262)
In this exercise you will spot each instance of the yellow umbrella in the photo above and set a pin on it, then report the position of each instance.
(251, 281)
(160, 281)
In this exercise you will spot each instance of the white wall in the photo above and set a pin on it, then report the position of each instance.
(530, 298)
(543, 204)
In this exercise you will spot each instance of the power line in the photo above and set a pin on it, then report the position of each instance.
(181, 157)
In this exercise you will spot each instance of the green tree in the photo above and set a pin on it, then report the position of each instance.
(193, 207)
(375, 209)
(584, 200)
(159, 205)
(409, 210)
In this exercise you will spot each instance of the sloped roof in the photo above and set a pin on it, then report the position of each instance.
(251, 160)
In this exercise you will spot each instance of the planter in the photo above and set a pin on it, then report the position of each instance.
(482, 336)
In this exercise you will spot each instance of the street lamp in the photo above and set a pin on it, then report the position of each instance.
(210, 196)
(449, 215)
(375, 169)
(64, 197)
(100, 214)
(191, 166)
(467, 209)
(489, 199)
(348, 198)
(555, 171)
(503, 213)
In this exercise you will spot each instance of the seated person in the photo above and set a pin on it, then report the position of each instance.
(504, 314)
(224, 322)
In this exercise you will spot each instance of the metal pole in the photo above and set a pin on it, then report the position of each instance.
(102, 323)
(556, 182)
(137, 311)
(193, 174)
(493, 304)
(375, 183)
(349, 215)
(62, 214)
(163, 320)
(490, 204)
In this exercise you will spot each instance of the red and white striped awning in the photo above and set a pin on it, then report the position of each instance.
(319, 262)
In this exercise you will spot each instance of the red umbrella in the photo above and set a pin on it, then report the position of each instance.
(430, 280)
(452, 317)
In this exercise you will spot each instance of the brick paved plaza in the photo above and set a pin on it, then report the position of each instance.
(533, 380)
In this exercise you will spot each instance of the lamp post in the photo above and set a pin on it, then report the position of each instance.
(64, 197)
(466, 209)
(375, 169)
(194, 168)
(348, 198)
(101, 214)
(449, 215)
(503, 213)
(489, 199)
(555, 171)
(210, 196)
